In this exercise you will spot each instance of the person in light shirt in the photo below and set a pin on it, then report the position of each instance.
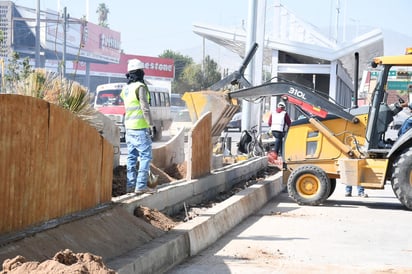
(279, 122)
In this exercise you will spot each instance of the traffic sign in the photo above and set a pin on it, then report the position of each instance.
(398, 85)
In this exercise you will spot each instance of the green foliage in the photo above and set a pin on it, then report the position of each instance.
(193, 76)
(52, 88)
(211, 72)
(199, 77)
(190, 76)
(67, 94)
(180, 61)
(16, 71)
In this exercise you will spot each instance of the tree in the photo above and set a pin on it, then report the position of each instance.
(17, 70)
(103, 11)
(211, 73)
(180, 62)
(190, 76)
(200, 77)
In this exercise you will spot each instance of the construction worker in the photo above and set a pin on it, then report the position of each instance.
(139, 128)
(361, 191)
(279, 122)
(407, 124)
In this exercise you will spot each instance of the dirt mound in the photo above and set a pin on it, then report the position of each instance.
(170, 174)
(63, 262)
(191, 211)
(155, 218)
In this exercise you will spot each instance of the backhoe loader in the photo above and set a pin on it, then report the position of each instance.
(330, 142)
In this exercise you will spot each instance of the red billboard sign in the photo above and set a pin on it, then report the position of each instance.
(83, 39)
(154, 66)
(100, 43)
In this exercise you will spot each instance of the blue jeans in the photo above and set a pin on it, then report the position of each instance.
(361, 190)
(278, 135)
(139, 147)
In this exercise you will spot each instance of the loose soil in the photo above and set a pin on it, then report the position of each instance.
(64, 262)
(173, 173)
(165, 222)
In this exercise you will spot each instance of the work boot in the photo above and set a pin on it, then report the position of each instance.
(363, 195)
(145, 191)
(130, 189)
(348, 194)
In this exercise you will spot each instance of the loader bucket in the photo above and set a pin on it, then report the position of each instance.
(223, 109)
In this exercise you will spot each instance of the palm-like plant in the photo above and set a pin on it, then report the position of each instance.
(103, 11)
(67, 94)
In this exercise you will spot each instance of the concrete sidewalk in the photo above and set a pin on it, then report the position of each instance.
(188, 239)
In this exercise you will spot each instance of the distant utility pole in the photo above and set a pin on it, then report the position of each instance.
(87, 10)
(37, 54)
(64, 41)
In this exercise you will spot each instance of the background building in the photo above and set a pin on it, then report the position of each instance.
(298, 52)
(80, 50)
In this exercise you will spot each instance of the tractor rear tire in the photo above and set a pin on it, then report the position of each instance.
(309, 185)
(332, 186)
(402, 177)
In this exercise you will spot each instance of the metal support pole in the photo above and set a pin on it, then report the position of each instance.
(250, 40)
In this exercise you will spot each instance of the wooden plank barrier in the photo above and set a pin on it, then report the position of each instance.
(200, 148)
(52, 163)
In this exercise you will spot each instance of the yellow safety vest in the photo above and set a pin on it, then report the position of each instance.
(134, 118)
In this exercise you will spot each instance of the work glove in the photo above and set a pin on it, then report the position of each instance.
(153, 132)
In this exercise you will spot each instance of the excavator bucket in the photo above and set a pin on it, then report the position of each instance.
(223, 109)
(216, 100)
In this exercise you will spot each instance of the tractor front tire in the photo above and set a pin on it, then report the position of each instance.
(309, 185)
(402, 177)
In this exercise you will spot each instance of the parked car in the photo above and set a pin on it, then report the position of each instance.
(176, 103)
(235, 123)
(181, 119)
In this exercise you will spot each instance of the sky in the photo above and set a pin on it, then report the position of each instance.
(150, 27)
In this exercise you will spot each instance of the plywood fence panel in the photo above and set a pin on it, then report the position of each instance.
(51, 163)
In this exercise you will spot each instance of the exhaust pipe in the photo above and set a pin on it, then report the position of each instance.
(356, 81)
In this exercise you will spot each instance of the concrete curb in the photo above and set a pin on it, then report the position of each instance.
(171, 197)
(190, 238)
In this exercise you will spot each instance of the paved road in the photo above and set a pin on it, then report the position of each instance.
(346, 235)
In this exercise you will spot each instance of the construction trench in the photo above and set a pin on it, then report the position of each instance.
(110, 238)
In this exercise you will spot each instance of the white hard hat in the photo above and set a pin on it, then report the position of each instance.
(134, 64)
(281, 105)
